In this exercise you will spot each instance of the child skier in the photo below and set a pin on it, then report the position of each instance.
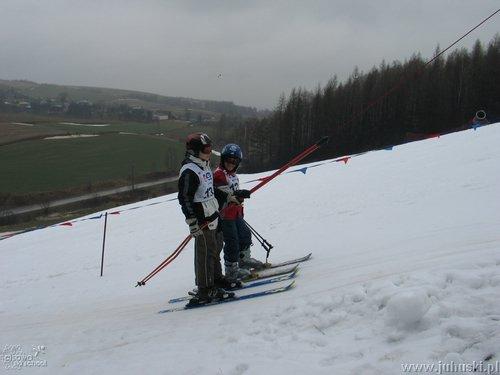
(237, 236)
(199, 203)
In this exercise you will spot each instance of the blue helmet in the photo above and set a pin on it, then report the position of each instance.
(231, 150)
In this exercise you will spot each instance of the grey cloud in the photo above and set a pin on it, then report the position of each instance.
(261, 48)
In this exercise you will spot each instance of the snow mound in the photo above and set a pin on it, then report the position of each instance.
(407, 308)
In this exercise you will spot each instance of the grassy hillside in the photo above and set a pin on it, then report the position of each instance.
(176, 105)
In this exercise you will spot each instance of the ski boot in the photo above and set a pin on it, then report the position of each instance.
(228, 284)
(248, 262)
(234, 273)
(207, 295)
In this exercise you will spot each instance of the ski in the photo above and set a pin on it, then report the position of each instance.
(234, 299)
(268, 272)
(251, 284)
(287, 262)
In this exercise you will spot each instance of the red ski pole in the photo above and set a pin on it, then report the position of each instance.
(167, 261)
(183, 244)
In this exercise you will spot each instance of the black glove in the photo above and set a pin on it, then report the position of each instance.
(243, 194)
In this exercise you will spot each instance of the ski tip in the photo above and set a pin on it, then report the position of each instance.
(166, 311)
(175, 300)
(308, 256)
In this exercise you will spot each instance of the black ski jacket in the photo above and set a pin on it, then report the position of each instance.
(188, 184)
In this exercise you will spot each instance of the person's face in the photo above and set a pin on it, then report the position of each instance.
(206, 152)
(230, 164)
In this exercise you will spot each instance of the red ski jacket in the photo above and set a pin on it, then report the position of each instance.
(229, 183)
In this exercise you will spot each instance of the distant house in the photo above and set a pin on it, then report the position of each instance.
(210, 120)
(84, 102)
(161, 117)
(56, 108)
(24, 105)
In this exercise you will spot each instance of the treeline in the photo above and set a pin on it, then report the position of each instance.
(418, 100)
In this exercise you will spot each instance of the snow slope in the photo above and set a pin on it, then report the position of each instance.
(405, 270)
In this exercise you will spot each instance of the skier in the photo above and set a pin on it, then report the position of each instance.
(199, 203)
(237, 236)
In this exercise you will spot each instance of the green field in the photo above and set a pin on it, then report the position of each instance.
(47, 165)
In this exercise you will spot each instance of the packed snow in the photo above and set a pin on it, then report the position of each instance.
(72, 136)
(78, 124)
(405, 272)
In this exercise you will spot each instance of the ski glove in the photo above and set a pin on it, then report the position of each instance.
(194, 227)
(243, 193)
(231, 198)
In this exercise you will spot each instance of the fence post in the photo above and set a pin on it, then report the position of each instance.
(104, 241)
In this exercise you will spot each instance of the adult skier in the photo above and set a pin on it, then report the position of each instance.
(237, 236)
(199, 204)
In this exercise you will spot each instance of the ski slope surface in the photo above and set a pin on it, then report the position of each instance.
(405, 272)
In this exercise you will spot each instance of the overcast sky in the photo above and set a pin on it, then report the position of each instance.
(247, 51)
